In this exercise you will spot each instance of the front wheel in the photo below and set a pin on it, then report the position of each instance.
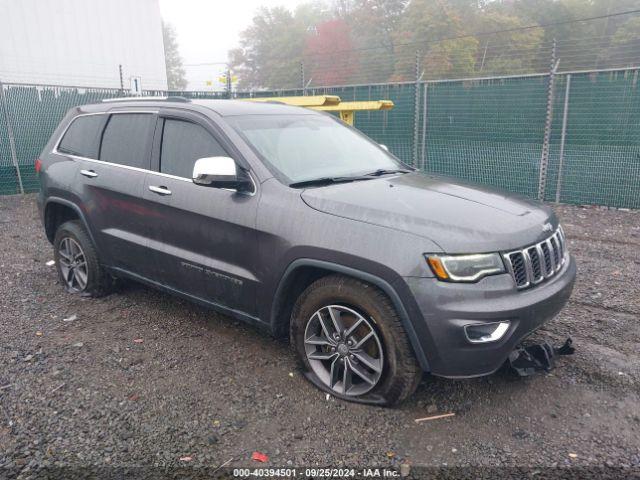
(351, 342)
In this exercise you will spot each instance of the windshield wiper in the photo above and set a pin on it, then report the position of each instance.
(326, 181)
(383, 171)
(330, 180)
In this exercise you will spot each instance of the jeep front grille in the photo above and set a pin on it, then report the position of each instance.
(536, 263)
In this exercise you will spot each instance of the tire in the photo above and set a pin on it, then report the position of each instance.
(353, 302)
(69, 237)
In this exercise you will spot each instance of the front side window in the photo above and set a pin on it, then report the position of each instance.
(182, 144)
(82, 138)
(126, 139)
(307, 147)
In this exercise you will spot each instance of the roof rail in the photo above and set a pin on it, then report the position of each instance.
(149, 99)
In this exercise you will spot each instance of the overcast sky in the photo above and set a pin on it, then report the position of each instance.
(208, 29)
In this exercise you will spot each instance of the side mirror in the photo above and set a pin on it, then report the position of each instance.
(384, 147)
(220, 172)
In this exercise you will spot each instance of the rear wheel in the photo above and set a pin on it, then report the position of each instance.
(77, 262)
(351, 342)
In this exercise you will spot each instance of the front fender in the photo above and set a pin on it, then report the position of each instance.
(276, 320)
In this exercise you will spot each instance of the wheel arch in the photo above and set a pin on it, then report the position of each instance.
(302, 272)
(59, 210)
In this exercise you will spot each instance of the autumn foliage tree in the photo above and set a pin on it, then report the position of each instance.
(376, 41)
(330, 58)
(272, 47)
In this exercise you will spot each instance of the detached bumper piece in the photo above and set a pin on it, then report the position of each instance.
(531, 359)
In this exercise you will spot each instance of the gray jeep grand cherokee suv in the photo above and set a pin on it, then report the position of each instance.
(290, 220)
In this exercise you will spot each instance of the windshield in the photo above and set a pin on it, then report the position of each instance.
(308, 147)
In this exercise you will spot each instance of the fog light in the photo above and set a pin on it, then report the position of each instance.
(486, 332)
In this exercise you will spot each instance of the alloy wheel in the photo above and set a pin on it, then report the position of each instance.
(73, 264)
(344, 350)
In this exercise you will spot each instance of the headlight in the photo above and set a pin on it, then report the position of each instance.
(465, 268)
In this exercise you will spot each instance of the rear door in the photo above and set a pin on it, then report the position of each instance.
(112, 190)
(203, 238)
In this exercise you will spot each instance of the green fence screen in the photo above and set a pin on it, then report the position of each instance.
(601, 163)
(489, 131)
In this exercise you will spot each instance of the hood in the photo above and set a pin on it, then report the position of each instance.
(459, 217)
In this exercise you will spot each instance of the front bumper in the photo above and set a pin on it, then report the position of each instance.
(445, 308)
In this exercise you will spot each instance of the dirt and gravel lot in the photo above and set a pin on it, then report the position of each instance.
(142, 379)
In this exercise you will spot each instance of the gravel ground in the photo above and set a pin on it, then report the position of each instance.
(142, 379)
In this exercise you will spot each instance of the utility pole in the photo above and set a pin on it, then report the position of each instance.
(229, 93)
(302, 81)
(121, 80)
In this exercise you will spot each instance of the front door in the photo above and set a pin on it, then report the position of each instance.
(203, 237)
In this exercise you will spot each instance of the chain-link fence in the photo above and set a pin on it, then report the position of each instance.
(493, 132)
(583, 134)
(28, 116)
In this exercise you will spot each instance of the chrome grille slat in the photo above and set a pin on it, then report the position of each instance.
(518, 269)
(552, 256)
(543, 268)
(556, 252)
(546, 254)
(560, 244)
(535, 263)
(527, 265)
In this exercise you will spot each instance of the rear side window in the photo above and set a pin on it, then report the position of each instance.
(182, 144)
(126, 139)
(82, 138)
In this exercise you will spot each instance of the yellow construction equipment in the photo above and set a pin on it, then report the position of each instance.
(330, 103)
(347, 110)
(310, 101)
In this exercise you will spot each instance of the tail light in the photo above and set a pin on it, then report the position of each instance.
(38, 165)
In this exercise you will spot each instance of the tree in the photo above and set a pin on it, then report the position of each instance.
(513, 51)
(436, 30)
(373, 26)
(370, 41)
(272, 47)
(580, 45)
(176, 79)
(625, 44)
(329, 53)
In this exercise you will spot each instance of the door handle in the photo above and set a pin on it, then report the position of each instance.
(89, 173)
(161, 190)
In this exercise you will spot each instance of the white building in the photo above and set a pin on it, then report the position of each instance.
(82, 43)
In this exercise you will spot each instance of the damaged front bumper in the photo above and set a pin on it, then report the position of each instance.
(448, 310)
(539, 357)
